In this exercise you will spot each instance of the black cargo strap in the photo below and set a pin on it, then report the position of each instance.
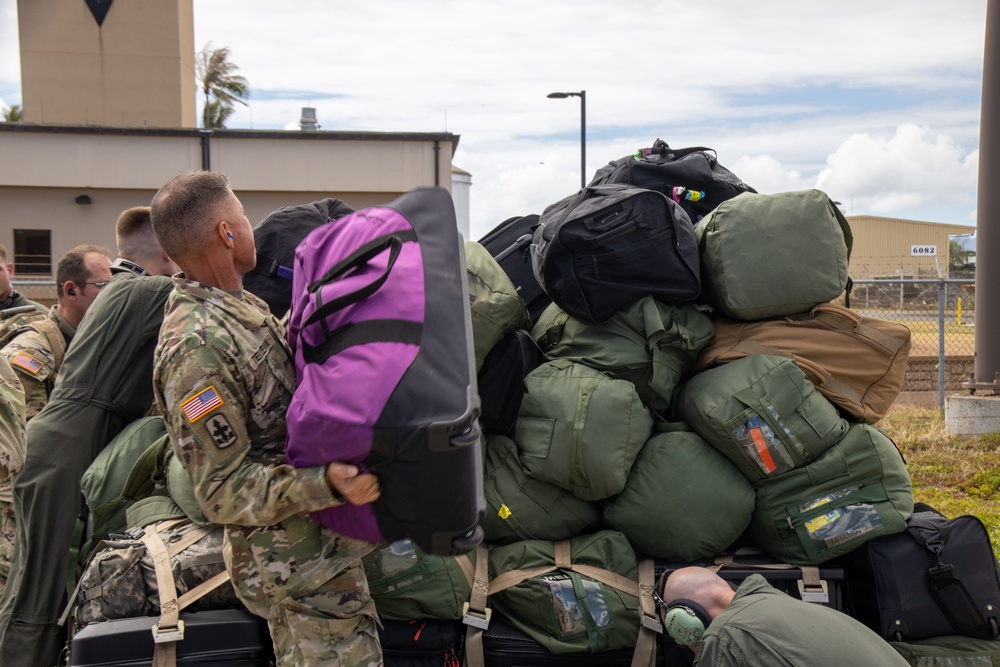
(477, 615)
(948, 591)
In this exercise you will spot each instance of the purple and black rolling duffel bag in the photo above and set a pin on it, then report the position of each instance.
(386, 377)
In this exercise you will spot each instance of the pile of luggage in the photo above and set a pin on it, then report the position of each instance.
(665, 377)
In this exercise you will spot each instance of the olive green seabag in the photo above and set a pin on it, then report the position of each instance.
(762, 413)
(580, 429)
(564, 610)
(856, 490)
(950, 651)
(494, 302)
(683, 501)
(408, 584)
(650, 343)
(521, 508)
(773, 255)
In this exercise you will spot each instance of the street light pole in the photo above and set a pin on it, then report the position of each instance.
(583, 130)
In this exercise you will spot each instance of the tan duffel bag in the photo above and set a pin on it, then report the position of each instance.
(857, 362)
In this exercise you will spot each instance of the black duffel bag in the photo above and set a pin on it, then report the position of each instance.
(609, 245)
(692, 177)
(938, 577)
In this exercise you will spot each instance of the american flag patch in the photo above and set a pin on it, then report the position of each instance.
(201, 404)
(27, 362)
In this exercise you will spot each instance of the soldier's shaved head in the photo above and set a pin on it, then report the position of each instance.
(184, 209)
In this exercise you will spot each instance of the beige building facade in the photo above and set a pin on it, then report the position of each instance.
(135, 68)
(894, 248)
(61, 186)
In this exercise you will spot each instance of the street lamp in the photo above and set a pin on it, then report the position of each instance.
(583, 130)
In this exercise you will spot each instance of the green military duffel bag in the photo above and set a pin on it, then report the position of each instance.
(649, 343)
(521, 508)
(950, 651)
(494, 302)
(566, 608)
(762, 413)
(580, 429)
(683, 500)
(856, 490)
(773, 255)
(408, 584)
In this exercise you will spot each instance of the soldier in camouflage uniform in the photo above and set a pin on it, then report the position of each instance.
(11, 459)
(224, 377)
(35, 355)
(37, 352)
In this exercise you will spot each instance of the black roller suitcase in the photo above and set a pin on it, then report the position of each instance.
(504, 646)
(510, 244)
(230, 637)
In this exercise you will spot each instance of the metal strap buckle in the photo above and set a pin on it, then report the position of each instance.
(820, 594)
(161, 636)
(652, 623)
(477, 619)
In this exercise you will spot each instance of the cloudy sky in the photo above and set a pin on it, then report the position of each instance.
(875, 102)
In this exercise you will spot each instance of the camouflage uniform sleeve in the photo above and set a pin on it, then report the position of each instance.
(11, 422)
(207, 410)
(30, 357)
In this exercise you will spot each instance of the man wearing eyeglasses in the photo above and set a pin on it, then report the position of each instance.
(105, 382)
(36, 352)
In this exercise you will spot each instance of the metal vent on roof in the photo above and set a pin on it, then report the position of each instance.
(308, 119)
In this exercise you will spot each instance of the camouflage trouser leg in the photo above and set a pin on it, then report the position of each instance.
(309, 584)
(8, 536)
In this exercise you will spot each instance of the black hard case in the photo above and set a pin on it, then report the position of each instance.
(505, 646)
(230, 637)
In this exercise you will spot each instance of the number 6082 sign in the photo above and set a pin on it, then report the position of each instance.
(923, 251)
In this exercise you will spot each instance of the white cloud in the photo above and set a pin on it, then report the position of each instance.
(908, 170)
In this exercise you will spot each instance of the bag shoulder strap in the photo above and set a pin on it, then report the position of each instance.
(946, 588)
(57, 343)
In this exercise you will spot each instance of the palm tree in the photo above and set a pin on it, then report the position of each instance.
(13, 114)
(221, 85)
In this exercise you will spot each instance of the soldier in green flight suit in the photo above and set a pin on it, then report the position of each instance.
(759, 625)
(224, 378)
(105, 382)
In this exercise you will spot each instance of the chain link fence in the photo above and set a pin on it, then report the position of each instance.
(941, 316)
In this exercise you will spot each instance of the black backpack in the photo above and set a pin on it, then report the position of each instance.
(692, 177)
(276, 237)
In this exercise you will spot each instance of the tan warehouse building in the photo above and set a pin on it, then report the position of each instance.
(894, 248)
